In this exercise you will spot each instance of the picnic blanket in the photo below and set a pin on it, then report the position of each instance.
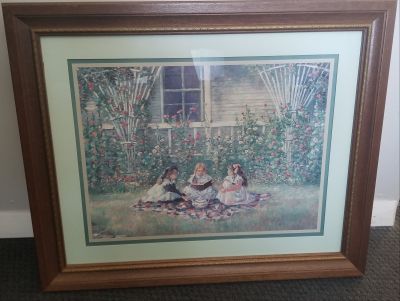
(214, 211)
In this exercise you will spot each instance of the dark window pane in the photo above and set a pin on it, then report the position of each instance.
(193, 112)
(190, 77)
(172, 78)
(172, 98)
(192, 97)
(173, 111)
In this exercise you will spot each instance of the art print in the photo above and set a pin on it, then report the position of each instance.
(204, 148)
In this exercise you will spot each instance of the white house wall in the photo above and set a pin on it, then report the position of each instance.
(230, 94)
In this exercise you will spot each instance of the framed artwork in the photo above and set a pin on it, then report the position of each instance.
(191, 142)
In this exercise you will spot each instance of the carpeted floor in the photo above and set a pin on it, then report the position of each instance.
(19, 280)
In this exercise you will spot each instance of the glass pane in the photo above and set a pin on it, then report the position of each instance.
(172, 98)
(192, 97)
(191, 78)
(193, 112)
(172, 111)
(172, 77)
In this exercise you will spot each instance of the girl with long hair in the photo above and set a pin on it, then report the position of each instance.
(165, 187)
(234, 188)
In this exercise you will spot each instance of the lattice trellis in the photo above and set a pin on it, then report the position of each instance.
(293, 86)
(124, 92)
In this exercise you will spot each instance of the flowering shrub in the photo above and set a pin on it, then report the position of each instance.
(308, 134)
(187, 147)
(257, 143)
(103, 158)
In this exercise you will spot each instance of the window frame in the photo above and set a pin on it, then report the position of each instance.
(183, 90)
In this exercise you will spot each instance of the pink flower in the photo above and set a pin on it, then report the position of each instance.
(166, 116)
(179, 112)
(173, 116)
(193, 109)
(91, 86)
(198, 136)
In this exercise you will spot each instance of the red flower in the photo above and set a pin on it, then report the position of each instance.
(198, 136)
(93, 134)
(91, 86)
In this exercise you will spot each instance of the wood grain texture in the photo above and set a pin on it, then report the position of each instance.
(26, 23)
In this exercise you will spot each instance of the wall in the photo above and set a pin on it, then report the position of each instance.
(388, 180)
(14, 209)
(232, 88)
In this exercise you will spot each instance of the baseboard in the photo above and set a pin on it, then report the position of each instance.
(384, 212)
(15, 224)
(18, 223)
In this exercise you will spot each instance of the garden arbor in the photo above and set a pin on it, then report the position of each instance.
(292, 87)
(123, 94)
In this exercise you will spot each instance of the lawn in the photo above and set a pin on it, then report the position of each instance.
(288, 208)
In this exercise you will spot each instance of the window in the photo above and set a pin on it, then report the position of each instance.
(182, 92)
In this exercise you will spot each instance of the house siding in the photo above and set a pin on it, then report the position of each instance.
(155, 102)
(234, 87)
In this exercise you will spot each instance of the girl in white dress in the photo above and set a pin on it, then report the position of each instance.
(234, 188)
(165, 189)
(200, 185)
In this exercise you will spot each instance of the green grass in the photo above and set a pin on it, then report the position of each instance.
(290, 208)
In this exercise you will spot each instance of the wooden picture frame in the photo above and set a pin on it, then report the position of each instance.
(26, 24)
